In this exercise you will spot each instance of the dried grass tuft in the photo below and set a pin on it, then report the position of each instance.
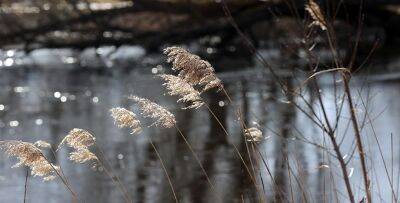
(80, 140)
(253, 134)
(192, 68)
(149, 109)
(316, 14)
(30, 156)
(176, 86)
(82, 155)
(124, 118)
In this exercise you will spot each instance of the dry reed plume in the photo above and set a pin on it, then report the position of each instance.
(152, 110)
(30, 156)
(80, 140)
(316, 14)
(176, 86)
(125, 118)
(253, 134)
(192, 68)
(82, 155)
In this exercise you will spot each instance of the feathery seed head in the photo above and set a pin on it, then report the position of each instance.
(253, 134)
(78, 138)
(125, 118)
(44, 169)
(192, 68)
(30, 156)
(316, 14)
(82, 155)
(149, 109)
(179, 87)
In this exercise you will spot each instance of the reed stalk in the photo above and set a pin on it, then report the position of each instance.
(164, 168)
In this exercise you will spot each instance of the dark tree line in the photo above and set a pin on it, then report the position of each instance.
(151, 23)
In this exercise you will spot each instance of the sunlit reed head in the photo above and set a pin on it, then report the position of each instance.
(176, 86)
(253, 134)
(78, 138)
(149, 109)
(192, 68)
(316, 14)
(124, 118)
(30, 156)
(82, 155)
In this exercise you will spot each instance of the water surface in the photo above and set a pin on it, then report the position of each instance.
(44, 104)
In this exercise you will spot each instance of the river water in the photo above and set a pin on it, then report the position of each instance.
(44, 104)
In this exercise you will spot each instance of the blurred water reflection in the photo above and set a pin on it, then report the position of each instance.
(45, 104)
